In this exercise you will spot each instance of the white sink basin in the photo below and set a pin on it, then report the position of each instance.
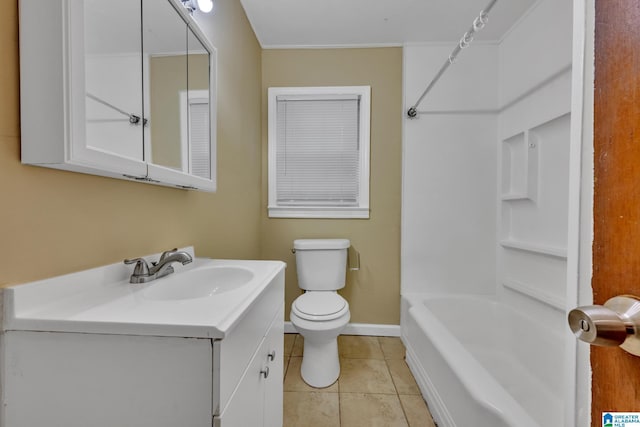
(199, 283)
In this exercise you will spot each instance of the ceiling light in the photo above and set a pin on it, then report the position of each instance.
(205, 6)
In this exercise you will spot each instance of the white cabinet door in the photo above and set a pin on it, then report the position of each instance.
(246, 405)
(274, 343)
(257, 401)
(80, 380)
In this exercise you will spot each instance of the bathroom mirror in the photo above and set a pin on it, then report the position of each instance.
(113, 78)
(179, 93)
(196, 156)
(165, 46)
(121, 88)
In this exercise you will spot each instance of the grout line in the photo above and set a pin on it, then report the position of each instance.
(393, 381)
(404, 412)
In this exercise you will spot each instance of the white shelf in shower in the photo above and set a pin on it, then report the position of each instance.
(534, 248)
(537, 294)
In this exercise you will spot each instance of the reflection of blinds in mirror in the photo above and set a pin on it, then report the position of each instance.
(199, 138)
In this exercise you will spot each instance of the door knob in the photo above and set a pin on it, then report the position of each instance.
(617, 323)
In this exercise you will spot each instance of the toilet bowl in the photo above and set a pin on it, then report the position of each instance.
(320, 317)
(320, 314)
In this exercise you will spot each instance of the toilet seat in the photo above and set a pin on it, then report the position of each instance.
(320, 306)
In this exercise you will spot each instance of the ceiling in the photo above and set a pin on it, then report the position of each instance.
(326, 23)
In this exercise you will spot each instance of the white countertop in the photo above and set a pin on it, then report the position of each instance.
(102, 300)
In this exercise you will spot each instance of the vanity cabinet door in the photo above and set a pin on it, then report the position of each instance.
(245, 407)
(257, 401)
(273, 392)
(101, 380)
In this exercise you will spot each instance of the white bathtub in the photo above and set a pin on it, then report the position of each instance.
(481, 364)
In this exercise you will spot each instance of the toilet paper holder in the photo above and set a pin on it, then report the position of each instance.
(616, 323)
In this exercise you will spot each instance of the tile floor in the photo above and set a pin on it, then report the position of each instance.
(375, 387)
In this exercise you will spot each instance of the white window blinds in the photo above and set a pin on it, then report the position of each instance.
(317, 151)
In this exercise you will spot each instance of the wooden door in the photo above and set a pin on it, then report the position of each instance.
(616, 245)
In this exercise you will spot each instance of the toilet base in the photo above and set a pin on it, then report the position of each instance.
(320, 360)
(320, 363)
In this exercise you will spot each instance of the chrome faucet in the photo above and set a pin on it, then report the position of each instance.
(143, 273)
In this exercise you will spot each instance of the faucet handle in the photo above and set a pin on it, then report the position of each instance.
(167, 253)
(141, 268)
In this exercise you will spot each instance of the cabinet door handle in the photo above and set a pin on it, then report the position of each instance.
(271, 356)
(265, 371)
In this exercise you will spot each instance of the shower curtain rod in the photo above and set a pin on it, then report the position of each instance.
(133, 119)
(466, 39)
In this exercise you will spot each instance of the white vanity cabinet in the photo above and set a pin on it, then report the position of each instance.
(75, 379)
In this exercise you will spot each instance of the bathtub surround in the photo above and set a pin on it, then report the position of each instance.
(502, 234)
(372, 292)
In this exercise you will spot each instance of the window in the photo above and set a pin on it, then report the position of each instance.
(319, 152)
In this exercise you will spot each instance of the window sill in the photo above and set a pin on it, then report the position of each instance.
(318, 212)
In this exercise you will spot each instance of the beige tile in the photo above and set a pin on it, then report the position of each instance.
(402, 377)
(288, 343)
(392, 347)
(371, 410)
(359, 347)
(293, 380)
(365, 376)
(416, 411)
(298, 346)
(311, 409)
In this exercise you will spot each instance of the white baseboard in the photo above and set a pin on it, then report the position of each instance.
(369, 329)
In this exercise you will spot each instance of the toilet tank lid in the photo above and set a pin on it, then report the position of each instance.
(308, 244)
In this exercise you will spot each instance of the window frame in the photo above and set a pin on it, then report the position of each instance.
(360, 211)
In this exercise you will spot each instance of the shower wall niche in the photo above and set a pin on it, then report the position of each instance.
(519, 167)
(535, 187)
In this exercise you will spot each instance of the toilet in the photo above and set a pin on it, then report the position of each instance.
(320, 314)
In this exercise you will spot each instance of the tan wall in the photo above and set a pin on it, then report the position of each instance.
(54, 222)
(373, 292)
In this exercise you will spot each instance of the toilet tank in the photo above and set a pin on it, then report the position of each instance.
(321, 263)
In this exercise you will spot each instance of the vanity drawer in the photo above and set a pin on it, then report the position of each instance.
(236, 350)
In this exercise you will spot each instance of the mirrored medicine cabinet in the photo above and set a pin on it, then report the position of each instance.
(118, 88)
